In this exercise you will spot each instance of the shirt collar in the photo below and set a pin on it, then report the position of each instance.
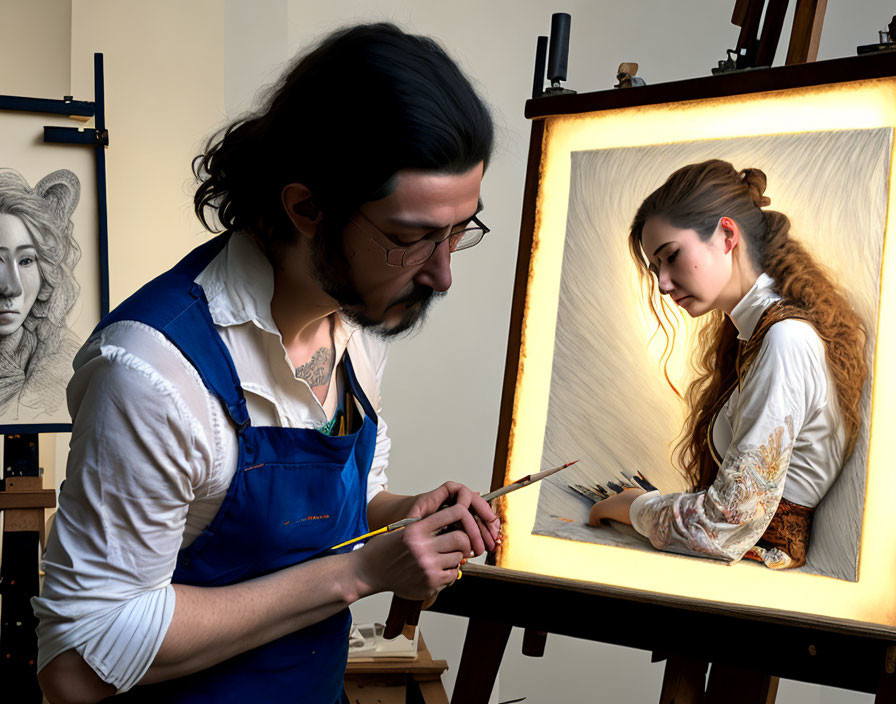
(239, 285)
(747, 312)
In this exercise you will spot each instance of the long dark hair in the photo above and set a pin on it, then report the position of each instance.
(366, 102)
(695, 197)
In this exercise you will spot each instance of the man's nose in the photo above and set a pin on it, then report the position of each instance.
(10, 283)
(436, 272)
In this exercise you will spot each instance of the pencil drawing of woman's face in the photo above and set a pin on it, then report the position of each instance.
(19, 274)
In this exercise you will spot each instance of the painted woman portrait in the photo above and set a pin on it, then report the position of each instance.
(774, 407)
(37, 290)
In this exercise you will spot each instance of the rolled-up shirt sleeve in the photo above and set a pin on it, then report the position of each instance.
(785, 385)
(137, 452)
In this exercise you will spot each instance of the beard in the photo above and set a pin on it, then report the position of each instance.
(417, 305)
(333, 272)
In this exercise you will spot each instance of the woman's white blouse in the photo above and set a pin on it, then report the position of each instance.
(152, 455)
(781, 434)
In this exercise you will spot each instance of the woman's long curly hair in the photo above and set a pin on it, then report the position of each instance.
(694, 198)
(46, 212)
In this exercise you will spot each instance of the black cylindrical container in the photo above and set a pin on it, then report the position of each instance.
(558, 55)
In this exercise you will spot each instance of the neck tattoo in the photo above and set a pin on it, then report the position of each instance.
(317, 372)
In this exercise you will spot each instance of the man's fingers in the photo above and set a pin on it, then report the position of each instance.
(453, 541)
(481, 508)
(482, 533)
(472, 530)
(430, 502)
(444, 518)
(454, 574)
(486, 522)
(450, 560)
(486, 534)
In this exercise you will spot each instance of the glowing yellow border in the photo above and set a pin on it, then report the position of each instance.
(872, 599)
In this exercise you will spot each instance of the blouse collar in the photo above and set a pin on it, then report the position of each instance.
(747, 312)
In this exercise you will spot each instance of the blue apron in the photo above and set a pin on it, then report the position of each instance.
(296, 493)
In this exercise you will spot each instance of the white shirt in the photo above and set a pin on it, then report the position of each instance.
(781, 434)
(152, 455)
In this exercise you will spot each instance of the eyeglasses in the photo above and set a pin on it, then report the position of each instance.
(459, 237)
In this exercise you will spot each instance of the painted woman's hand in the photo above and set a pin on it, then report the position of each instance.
(614, 508)
(479, 522)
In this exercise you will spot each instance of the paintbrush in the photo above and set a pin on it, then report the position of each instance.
(405, 522)
(407, 611)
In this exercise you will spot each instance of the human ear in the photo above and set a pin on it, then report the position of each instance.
(731, 232)
(301, 208)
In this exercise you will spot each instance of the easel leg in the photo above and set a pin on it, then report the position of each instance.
(534, 643)
(480, 661)
(886, 686)
(684, 681)
(808, 19)
(731, 685)
(430, 692)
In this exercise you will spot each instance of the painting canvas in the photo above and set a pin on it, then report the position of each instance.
(609, 401)
(49, 267)
(586, 379)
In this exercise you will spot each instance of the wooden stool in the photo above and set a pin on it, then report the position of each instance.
(397, 682)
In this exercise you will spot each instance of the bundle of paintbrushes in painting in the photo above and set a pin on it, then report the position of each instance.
(598, 492)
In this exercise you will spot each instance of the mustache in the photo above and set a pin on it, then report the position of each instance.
(418, 294)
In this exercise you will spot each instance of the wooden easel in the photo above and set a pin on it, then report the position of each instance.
(762, 646)
(23, 501)
(755, 48)
(768, 644)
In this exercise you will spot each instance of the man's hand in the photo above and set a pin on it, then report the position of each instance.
(418, 561)
(479, 522)
(615, 508)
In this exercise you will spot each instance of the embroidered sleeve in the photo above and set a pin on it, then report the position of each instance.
(785, 385)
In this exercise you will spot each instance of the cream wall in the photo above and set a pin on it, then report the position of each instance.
(177, 70)
(35, 46)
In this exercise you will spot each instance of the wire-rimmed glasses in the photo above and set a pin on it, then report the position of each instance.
(459, 237)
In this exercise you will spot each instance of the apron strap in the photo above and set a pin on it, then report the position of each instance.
(356, 389)
(176, 306)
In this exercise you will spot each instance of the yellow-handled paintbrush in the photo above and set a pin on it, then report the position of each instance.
(405, 522)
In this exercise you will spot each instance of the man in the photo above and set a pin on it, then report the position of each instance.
(226, 428)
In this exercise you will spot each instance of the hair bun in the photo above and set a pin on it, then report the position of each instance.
(755, 180)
